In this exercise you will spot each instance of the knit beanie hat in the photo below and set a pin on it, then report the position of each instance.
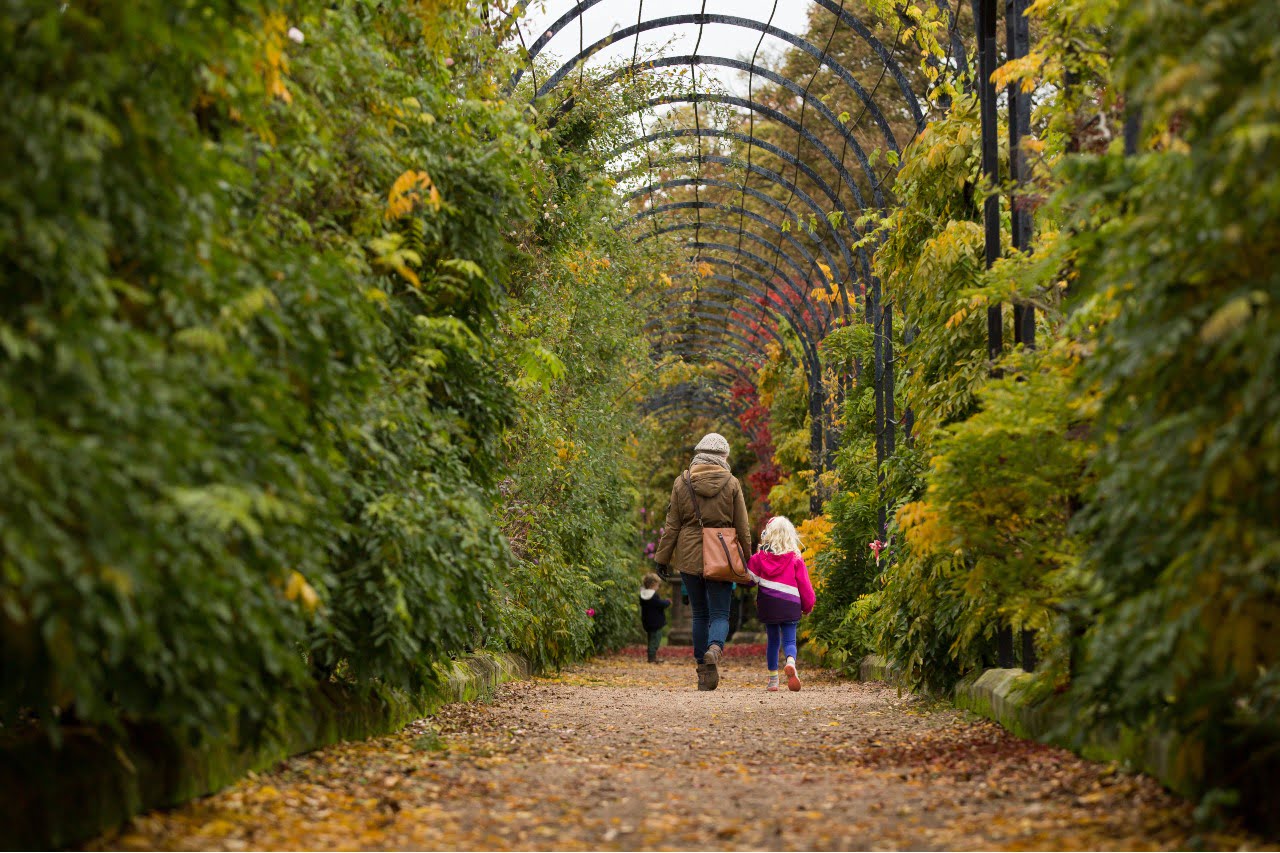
(712, 450)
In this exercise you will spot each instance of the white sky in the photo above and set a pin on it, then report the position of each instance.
(717, 39)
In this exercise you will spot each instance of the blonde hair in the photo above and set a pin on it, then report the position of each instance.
(651, 581)
(780, 537)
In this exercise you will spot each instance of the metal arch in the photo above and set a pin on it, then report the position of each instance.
(712, 384)
(814, 263)
(719, 291)
(713, 360)
(706, 407)
(841, 243)
(870, 286)
(680, 326)
(845, 132)
(807, 344)
(756, 169)
(732, 21)
(781, 181)
(694, 402)
(855, 24)
(813, 360)
(703, 408)
(794, 320)
(808, 135)
(752, 329)
(735, 209)
(722, 359)
(848, 273)
(786, 311)
(787, 157)
(809, 359)
(767, 283)
(725, 247)
(662, 322)
(802, 332)
(737, 268)
(728, 335)
(717, 226)
(753, 141)
(716, 359)
(817, 404)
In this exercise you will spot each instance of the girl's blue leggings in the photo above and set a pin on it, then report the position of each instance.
(781, 634)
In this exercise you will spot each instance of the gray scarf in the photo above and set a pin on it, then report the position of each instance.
(710, 459)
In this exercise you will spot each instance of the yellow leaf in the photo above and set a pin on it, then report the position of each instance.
(409, 190)
(302, 592)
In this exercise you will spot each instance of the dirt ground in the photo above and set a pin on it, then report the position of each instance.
(619, 754)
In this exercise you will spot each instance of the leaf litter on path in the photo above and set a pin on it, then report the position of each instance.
(620, 754)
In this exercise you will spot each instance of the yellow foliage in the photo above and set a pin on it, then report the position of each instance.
(922, 526)
(567, 451)
(274, 64)
(408, 191)
(297, 589)
(815, 535)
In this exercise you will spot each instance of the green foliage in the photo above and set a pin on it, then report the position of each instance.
(257, 371)
(1115, 490)
(988, 544)
(784, 388)
(1183, 522)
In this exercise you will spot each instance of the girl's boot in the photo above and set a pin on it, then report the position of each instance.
(708, 676)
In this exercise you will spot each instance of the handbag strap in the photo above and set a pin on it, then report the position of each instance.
(745, 575)
(693, 497)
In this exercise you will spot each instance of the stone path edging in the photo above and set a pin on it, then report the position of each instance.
(1001, 695)
(96, 781)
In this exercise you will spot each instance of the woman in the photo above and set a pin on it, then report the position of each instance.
(722, 504)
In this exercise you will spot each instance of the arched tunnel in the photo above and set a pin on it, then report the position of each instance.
(760, 186)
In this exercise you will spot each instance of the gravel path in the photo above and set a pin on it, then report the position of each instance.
(619, 754)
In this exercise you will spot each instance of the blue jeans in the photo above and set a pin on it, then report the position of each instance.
(781, 634)
(709, 601)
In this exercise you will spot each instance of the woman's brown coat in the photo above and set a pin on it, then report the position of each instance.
(723, 505)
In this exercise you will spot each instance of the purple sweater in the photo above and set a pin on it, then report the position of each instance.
(785, 592)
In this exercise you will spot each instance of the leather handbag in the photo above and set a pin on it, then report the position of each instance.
(722, 556)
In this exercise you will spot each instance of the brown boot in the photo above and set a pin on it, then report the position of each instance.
(708, 676)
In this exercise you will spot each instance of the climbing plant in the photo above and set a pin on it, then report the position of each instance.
(1183, 519)
(275, 363)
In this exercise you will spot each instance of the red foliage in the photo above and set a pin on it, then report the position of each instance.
(753, 418)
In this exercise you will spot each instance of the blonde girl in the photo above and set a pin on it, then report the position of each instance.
(785, 594)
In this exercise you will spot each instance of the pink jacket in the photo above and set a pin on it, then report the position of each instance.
(783, 580)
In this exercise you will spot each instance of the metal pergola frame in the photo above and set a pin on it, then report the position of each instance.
(763, 268)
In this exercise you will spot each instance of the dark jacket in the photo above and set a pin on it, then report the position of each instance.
(722, 504)
(653, 610)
